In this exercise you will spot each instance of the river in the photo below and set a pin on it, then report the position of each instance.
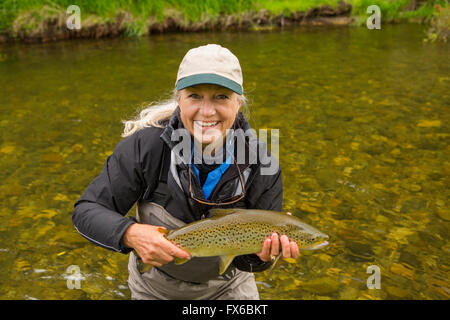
(364, 148)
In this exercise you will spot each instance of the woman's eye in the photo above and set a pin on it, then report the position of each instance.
(194, 96)
(222, 97)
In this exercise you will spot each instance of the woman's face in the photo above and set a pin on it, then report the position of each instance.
(207, 111)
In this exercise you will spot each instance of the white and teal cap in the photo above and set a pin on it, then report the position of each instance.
(210, 64)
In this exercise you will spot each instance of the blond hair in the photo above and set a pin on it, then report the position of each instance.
(156, 114)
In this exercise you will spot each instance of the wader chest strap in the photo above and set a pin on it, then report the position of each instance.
(160, 194)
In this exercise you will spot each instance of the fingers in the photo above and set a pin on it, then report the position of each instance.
(167, 251)
(155, 249)
(285, 246)
(275, 250)
(156, 257)
(172, 249)
(175, 251)
(294, 249)
(289, 248)
(271, 247)
(264, 255)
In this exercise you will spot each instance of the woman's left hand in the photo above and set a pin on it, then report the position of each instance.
(271, 247)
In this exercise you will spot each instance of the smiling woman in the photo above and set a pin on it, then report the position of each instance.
(207, 111)
(172, 191)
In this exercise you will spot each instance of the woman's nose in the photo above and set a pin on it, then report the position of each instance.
(207, 109)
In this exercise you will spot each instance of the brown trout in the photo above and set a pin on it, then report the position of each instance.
(232, 232)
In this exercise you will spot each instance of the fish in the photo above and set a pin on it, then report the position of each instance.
(231, 232)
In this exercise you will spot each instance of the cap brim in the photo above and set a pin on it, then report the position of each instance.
(209, 78)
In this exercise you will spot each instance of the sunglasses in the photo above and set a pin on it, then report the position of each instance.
(225, 201)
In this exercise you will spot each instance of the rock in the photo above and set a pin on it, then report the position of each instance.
(326, 177)
(321, 286)
(401, 270)
(411, 186)
(304, 206)
(429, 123)
(341, 160)
(52, 157)
(348, 171)
(396, 292)
(13, 189)
(349, 293)
(7, 149)
(443, 213)
(22, 265)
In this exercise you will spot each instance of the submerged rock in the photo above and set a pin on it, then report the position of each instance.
(321, 286)
(443, 213)
(396, 292)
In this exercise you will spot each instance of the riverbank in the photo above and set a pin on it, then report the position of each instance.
(37, 21)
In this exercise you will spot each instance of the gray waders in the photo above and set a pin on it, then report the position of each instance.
(196, 279)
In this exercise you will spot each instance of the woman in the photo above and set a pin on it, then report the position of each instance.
(173, 188)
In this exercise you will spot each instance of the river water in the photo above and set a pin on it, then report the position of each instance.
(364, 147)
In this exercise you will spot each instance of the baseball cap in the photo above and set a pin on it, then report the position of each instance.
(210, 64)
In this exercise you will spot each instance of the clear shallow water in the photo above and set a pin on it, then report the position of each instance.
(364, 131)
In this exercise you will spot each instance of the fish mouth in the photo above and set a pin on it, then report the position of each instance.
(318, 245)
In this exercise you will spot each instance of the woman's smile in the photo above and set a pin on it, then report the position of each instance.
(206, 124)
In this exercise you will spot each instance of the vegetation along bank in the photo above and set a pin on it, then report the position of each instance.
(42, 21)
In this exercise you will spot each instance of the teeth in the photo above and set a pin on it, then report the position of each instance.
(206, 123)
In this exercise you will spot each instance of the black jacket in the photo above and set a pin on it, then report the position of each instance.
(132, 172)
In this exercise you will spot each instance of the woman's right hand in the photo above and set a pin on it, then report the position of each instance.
(151, 245)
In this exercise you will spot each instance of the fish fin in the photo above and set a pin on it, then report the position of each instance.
(141, 266)
(144, 267)
(163, 230)
(220, 212)
(225, 261)
(180, 260)
(274, 263)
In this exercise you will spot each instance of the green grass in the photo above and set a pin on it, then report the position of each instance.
(287, 6)
(141, 10)
(394, 9)
(196, 10)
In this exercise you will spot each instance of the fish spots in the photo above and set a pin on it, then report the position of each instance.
(239, 233)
